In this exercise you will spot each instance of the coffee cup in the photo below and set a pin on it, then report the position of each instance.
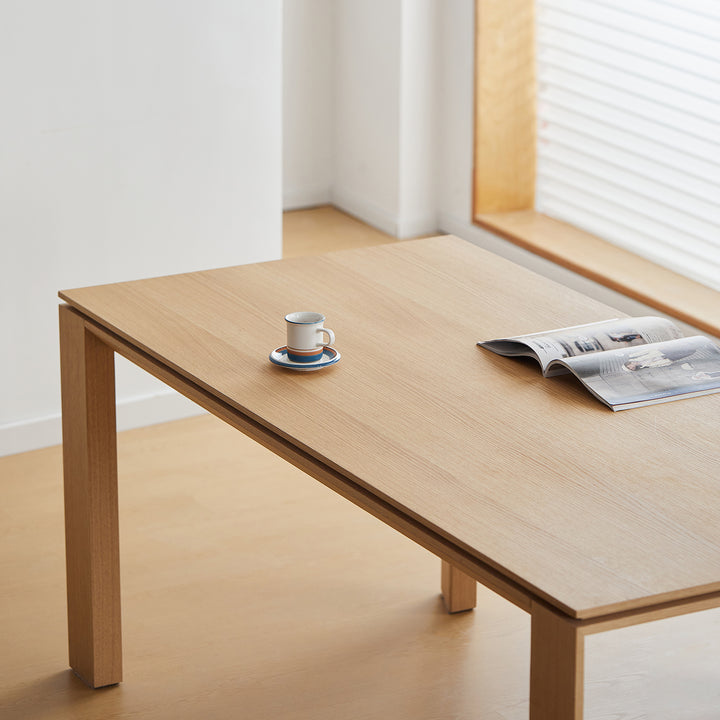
(305, 333)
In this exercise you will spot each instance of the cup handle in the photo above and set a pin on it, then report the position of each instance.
(330, 334)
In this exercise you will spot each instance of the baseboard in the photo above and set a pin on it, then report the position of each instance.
(412, 227)
(300, 198)
(389, 222)
(368, 212)
(131, 413)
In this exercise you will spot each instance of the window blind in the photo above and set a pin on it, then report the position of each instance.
(629, 126)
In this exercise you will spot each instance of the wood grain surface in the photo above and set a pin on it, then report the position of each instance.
(459, 591)
(91, 503)
(557, 660)
(591, 511)
(505, 135)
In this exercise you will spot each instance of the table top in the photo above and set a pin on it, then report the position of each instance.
(591, 510)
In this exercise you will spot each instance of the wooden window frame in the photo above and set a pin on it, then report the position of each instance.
(505, 169)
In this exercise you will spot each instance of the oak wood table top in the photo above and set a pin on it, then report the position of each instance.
(589, 511)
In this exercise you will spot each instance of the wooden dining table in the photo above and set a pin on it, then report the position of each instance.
(589, 520)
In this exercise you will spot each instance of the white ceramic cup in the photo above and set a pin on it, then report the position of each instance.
(305, 333)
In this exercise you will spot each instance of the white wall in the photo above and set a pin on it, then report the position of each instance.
(359, 115)
(420, 114)
(455, 93)
(371, 135)
(384, 91)
(308, 102)
(367, 109)
(138, 139)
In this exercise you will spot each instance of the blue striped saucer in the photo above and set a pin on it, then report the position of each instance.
(279, 357)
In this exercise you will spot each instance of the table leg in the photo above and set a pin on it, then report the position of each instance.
(91, 503)
(557, 652)
(459, 590)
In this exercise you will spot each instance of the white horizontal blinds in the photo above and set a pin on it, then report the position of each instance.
(629, 125)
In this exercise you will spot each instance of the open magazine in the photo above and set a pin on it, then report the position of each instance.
(626, 362)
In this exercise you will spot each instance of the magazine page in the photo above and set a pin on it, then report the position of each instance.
(636, 376)
(585, 339)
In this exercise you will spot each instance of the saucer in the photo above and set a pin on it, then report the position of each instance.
(279, 357)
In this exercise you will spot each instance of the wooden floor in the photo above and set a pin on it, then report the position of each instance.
(324, 229)
(251, 591)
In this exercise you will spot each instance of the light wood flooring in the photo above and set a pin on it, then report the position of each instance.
(252, 591)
